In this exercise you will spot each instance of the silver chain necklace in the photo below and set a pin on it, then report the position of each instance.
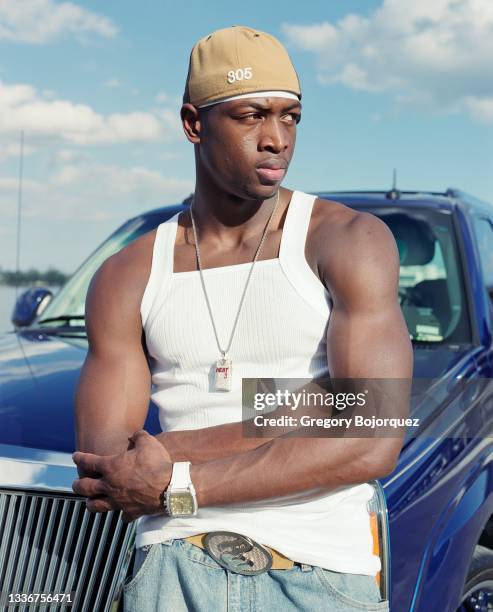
(224, 366)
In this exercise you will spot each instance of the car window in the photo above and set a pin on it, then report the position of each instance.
(431, 289)
(484, 234)
(70, 299)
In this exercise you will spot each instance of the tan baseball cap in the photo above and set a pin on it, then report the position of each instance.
(235, 61)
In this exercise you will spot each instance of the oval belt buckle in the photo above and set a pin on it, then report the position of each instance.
(238, 553)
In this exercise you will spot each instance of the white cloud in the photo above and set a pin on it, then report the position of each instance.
(317, 37)
(67, 156)
(162, 97)
(141, 184)
(481, 108)
(112, 83)
(40, 21)
(76, 203)
(438, 53)
(23, 108)
(77, 187)
(12, 149)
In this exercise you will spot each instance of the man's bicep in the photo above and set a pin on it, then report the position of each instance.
(367, 335)
(112, 395)
(368, 344)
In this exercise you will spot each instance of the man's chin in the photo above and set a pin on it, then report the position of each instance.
(263, 192)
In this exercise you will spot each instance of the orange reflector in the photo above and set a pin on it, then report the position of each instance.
(376, 541)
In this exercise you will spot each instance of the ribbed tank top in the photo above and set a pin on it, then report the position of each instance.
(281, 333)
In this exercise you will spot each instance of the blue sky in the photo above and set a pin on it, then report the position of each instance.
(97, 88)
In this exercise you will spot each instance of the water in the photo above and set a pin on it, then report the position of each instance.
(7, 301)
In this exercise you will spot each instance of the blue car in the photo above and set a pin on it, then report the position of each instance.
(436, 531)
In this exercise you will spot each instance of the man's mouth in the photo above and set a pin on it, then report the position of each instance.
(272, 170)
(270, 174)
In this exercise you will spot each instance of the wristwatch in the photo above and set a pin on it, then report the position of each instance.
(180, 499)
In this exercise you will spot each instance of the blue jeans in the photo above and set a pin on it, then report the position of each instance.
(177, 576)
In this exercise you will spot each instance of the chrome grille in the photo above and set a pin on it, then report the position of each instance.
(51, 543)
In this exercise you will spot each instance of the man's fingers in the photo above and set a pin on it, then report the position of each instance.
(89, 462)
(89, 487)
(100, 505)
(138, 436)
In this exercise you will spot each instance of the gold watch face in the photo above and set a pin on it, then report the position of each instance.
(181, 503)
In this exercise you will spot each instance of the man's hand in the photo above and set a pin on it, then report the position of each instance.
(132, 481)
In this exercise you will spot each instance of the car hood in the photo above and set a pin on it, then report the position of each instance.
(38, 374)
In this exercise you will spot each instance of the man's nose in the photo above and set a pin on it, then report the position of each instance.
(274, 135)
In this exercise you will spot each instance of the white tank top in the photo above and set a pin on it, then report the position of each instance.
(281, 333)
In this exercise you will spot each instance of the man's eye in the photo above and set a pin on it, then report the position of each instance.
(294, 117)
(249, 116)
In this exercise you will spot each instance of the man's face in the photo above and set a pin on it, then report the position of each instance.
(246, 145)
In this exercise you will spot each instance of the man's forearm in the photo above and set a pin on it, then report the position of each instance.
(289, 465)
(209, 443)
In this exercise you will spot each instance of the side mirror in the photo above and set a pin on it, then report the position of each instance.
(29, 305)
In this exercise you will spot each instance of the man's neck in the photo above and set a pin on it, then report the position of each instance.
(229, 220)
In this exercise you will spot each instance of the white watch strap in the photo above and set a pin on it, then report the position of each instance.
(180, 477)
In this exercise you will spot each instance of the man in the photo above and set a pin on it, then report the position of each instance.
(240, 286)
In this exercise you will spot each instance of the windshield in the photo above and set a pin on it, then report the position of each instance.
(69, 302)
(431, 290)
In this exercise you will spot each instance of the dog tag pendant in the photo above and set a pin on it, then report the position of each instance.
(223, 375)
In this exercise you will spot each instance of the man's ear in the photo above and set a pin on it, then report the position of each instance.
(191, 123)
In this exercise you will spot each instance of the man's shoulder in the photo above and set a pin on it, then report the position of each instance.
(346, 239)
(124, 274)
(333, 216)
(340, 223)
(137, 254)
